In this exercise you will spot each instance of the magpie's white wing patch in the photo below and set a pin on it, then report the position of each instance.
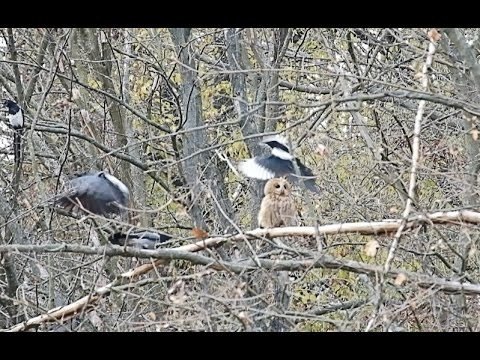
(281, 154)
(251, 168)
(16, 120)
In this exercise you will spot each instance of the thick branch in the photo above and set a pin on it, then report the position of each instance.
(458, 39)
(366, 228)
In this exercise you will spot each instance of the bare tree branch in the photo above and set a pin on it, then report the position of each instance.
(183, 252)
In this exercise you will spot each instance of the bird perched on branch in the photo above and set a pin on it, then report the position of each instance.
(99, 193)
(277, 207)
(141, 240)
(279, 163)
(16, 119)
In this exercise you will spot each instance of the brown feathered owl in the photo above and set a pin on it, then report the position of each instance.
(277, 208)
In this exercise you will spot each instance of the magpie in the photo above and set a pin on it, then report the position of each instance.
(98, 192)
(141, 240)
(279, 163)
(16, 119)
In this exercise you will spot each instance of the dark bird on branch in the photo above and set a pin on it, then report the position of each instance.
(141, 240)
(278, 164)
(99, 193)
(16, 119)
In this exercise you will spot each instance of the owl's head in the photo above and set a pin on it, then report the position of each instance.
(277, 186)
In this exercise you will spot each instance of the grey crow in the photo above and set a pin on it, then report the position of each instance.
(99, 193)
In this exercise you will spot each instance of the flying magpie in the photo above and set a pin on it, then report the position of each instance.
(16, 118)
(99, 193)
(279, 163)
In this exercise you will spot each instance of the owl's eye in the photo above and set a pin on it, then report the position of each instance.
(277, 185)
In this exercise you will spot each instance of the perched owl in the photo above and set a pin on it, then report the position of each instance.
(277, 208)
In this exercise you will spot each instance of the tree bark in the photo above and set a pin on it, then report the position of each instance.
(194, 141)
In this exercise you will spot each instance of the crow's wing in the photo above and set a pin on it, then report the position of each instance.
(95, 193)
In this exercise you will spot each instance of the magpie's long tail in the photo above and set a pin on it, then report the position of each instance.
(308, 177)
(309, 183)
(17, 145)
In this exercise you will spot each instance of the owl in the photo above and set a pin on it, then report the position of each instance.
(277, 207)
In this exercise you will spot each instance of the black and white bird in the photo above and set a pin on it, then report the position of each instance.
(99, 193)
(16, 119)
(278, 164)
(141, 240)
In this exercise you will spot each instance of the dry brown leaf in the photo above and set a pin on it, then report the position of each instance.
(62, 103)
(178, 299)
(472, 252)
(321, 150)
(474, 134)
(95, 319)
(151, 315)
(245, 319)
(442, 245)
(175, 287)
(240, 290)
(400, 279)
(42, 271)
(181, 211)
(453, 150)
(61, 67)
(434, 35)
(199, 233)
(418, 75)
(177, 292)
(371, 248)
(416, 66)
(343, 251)
(85, 115)
(75, 94)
